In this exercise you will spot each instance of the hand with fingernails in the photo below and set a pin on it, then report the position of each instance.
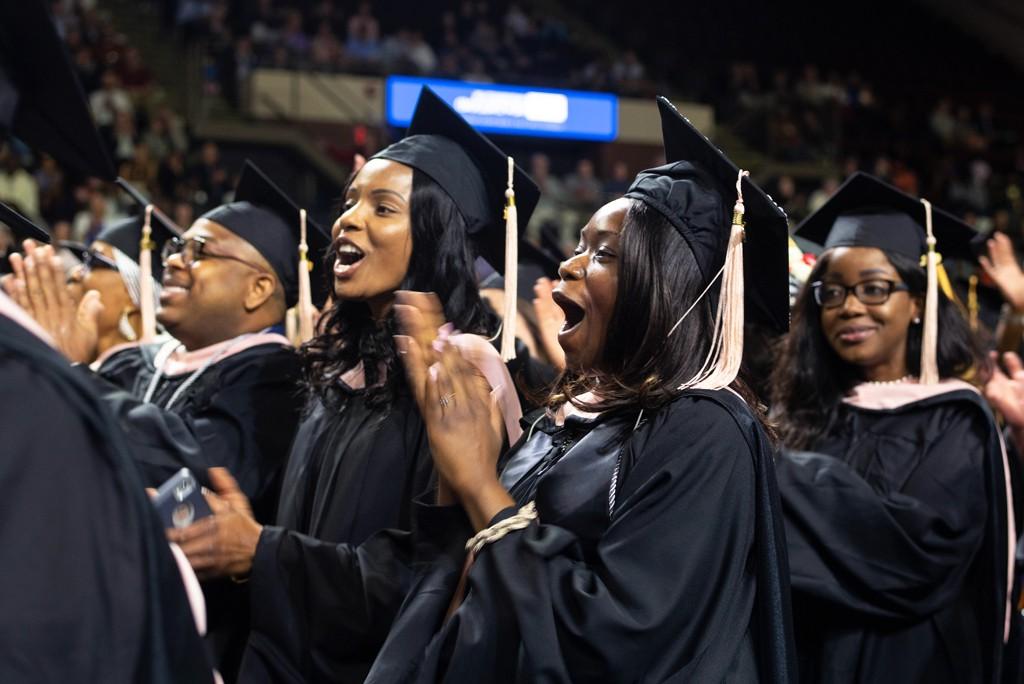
(550, 318)
(222, 544)
(455, 403)
(39, 286)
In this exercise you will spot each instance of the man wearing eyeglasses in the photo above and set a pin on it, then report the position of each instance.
(225, 391)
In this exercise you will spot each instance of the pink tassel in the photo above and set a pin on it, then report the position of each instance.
(510, 313)
(306, 312)
(930, 335)
(146, 305)
(722, 363)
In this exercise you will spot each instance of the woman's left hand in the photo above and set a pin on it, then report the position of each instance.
(455, 401)
(222, 544)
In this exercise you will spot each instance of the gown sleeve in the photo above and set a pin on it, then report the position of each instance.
(668, 589)
(326, 608)
(245, 425)
(902, 554)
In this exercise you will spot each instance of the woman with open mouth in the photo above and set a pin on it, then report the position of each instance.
(323, 594)
(631, 535)
(893, 483)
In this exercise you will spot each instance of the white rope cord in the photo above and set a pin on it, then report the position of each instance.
(526, 515)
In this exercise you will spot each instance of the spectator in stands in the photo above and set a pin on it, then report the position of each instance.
(135, 76)
(90, 221)
(294, 38)
(210, 176)
(584, 188)
(110, 100)
(325, 50)
(140, 169)
(17, 186)
(172, 175)
(552, 203)
(122, 137)
(618, 183)
(363, 40)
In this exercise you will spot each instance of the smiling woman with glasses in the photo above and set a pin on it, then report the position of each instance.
(892, 479)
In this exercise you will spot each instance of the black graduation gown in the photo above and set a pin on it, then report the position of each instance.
(242, 414)
(684, 580)
(897, 544)
(326, 581)
(89, 590)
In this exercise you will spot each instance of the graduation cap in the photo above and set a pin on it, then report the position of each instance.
(480, 179)
(41, 100)
(867, 212)
(694, 192)
(126, 235)
(292, 243)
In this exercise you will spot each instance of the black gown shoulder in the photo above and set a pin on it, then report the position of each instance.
(91, 591)
(657, 555)
(897, 532)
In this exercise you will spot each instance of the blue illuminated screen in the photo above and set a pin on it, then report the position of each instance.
(512, 110)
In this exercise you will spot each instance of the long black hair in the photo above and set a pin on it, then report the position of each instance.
(810, 380)
(642, 366)
(441, 262)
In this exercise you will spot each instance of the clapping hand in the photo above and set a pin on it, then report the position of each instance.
(455, 402)
(39, 286)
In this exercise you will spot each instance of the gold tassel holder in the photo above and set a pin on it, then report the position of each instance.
(972, 302)
(147, 307)
(929, 337)
(305, 310)
(508, 325)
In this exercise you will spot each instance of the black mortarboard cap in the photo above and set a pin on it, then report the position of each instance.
(867, 212)
(267, 218)
(41, 100)
(696, 192)
(471, 169)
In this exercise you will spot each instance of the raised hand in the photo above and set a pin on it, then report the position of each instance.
(455, 402)
(1002, 266)
(1005, 390)
(39, 286)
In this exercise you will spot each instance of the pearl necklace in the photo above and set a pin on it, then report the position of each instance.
(900, 381)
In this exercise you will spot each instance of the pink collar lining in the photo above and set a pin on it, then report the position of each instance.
(478, 351)
(873, 396)
(182, 361)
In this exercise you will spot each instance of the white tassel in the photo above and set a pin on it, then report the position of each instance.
(305, 310)
(147, 306)
(508, 329)
(930, 336)
(725, 354)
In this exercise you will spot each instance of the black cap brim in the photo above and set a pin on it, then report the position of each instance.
(766, 249)
(22, 228)
(51, 112)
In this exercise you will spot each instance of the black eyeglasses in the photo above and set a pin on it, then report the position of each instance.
(870, 292)
(196, 249)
